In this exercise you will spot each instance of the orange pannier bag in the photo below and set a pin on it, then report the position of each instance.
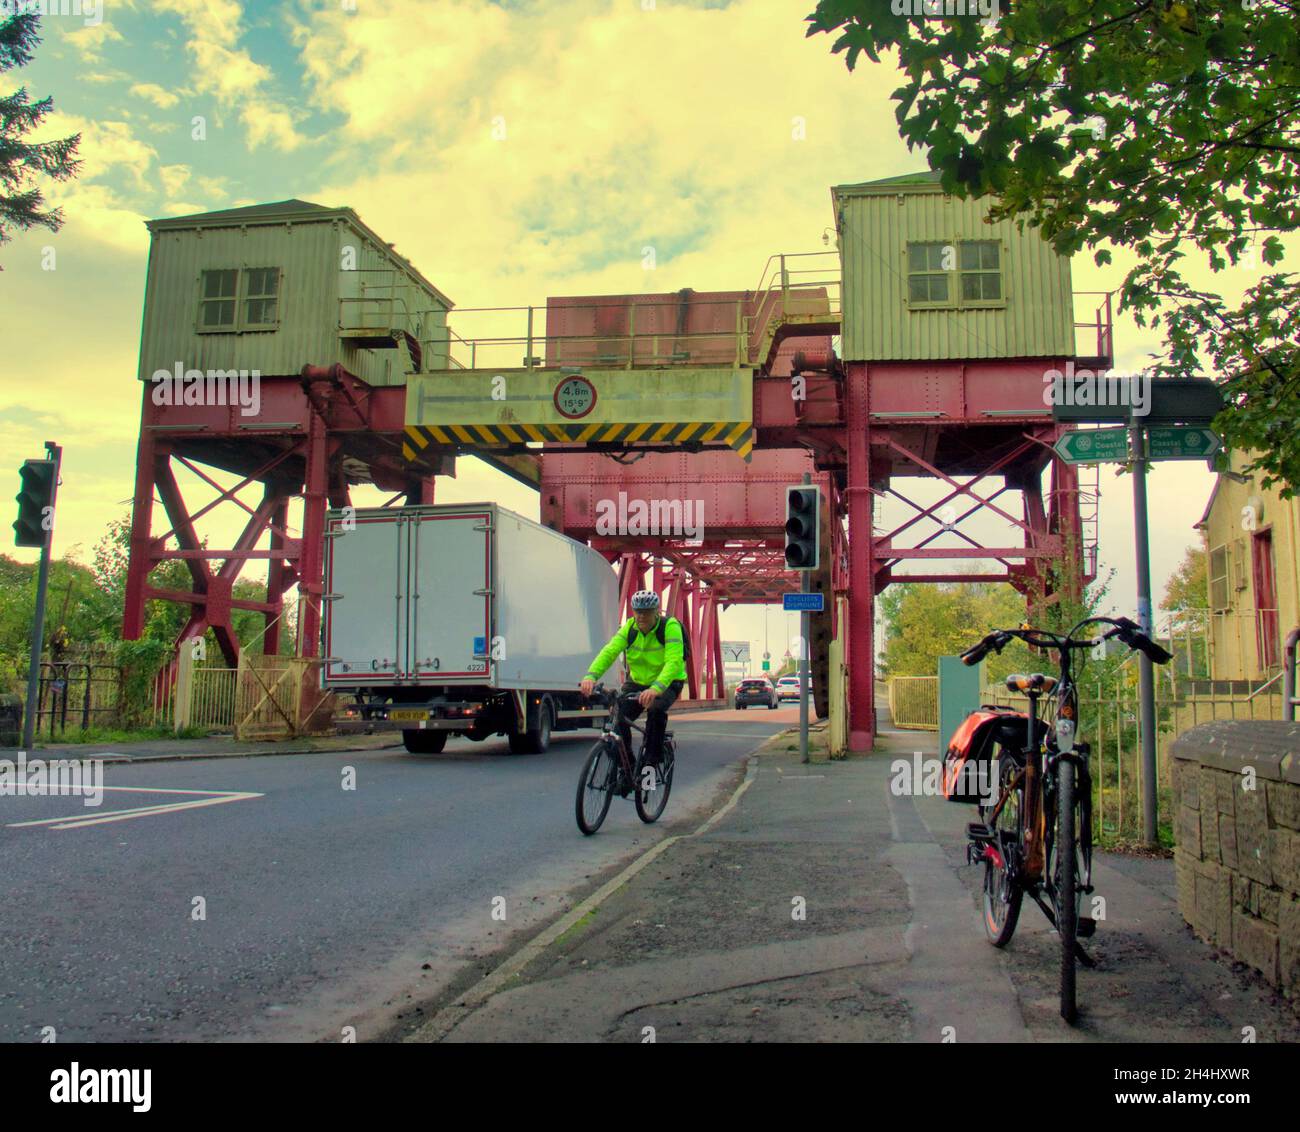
(968, 763)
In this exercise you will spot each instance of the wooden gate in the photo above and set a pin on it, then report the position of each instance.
(268, 696)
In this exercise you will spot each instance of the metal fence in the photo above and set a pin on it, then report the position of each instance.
(77, 695)
(914, 702)
(1109, 722)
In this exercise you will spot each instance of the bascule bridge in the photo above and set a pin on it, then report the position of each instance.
(916, 349)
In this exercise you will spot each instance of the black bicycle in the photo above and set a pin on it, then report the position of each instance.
(610, 770)
(1035, 833)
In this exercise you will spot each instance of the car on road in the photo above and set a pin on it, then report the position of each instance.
(756, 690)
(787, 688)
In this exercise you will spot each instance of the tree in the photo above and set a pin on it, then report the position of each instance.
(925, 620)
(22, 204)
(1187, 587)
(1186, 600)
(1158, 126)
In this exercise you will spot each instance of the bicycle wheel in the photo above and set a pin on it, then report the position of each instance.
(654, 783)
(595, 788)
(1002, 892)
(1066, 882)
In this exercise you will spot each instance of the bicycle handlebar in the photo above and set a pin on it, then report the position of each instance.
(1129, 632)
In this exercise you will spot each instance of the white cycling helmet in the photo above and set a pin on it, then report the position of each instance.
(645, 599)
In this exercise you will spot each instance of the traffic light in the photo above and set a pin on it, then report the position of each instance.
(35, 495)
(802, 528)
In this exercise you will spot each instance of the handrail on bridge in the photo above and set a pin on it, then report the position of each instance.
(1103, 326)
(735, 336)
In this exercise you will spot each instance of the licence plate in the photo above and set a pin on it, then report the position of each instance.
(407, 715)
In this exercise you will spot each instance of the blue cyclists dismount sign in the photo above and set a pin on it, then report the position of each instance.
(800, 603)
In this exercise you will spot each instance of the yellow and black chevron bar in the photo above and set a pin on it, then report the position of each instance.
(738, 435)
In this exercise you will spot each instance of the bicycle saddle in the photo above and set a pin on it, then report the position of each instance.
(1033, 682)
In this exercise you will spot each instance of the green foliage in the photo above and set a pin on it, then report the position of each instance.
(21, 202)
(925, 620)
(131, 735)
(140, 662)
(1187, 587)
(1161, 128)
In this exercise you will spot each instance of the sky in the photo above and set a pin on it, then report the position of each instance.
(512, 150)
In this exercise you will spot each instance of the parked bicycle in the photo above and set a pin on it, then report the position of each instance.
(1035, 830)
(609, 769)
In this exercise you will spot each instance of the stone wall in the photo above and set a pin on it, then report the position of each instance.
(1237, 838)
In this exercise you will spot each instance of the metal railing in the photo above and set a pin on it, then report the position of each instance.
(629, 332)
(794, 287)
(1101, 325)
(1108, 720)
(643, 339)
(379, 302)
(914, 702)
(76, 693)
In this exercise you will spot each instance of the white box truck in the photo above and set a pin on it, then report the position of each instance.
(461, 618)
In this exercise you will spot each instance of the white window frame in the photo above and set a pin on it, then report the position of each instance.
(955, 301)
(241, 299)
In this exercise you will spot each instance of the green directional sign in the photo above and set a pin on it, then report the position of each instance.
(767, 664)
(1181, 443)
(1093, 446)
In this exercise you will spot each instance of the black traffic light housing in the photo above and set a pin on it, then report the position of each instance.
(34, 496)
(802, 528)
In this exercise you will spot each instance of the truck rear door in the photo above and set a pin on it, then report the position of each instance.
(450, 606)
(365, 572)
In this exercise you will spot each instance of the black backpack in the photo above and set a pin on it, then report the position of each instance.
(661, 633)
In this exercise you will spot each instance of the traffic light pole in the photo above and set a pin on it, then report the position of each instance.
(805, 634)
(55, 453)
(1146, 673)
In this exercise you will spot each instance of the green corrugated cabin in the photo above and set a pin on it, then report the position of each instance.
(274, 287)
(924, 278)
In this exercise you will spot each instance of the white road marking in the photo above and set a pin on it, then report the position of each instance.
(207, 798)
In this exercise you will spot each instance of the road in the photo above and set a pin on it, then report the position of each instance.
(260, 899)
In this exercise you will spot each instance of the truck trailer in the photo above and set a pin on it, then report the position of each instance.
(461, 619)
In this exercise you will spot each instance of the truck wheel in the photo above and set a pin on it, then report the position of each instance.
(538, 740)
(424, 742)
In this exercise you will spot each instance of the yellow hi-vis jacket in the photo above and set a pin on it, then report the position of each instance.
(648, 662)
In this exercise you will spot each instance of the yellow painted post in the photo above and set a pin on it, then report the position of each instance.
(184, 687)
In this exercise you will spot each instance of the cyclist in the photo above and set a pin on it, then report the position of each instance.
(656, 669)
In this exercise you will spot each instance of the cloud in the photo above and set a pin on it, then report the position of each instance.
(88, 41)
(163, 99)
(227, 71)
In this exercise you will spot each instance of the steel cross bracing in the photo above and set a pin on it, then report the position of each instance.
(858, 426)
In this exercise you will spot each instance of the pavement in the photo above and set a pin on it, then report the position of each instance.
(219, 746)
(819, 904)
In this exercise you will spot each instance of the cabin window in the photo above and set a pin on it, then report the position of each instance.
(235, 299)
(217, 311)
(981, 271)
(261, 294)
(955, 274)
(928, 268)
(1219, 599)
